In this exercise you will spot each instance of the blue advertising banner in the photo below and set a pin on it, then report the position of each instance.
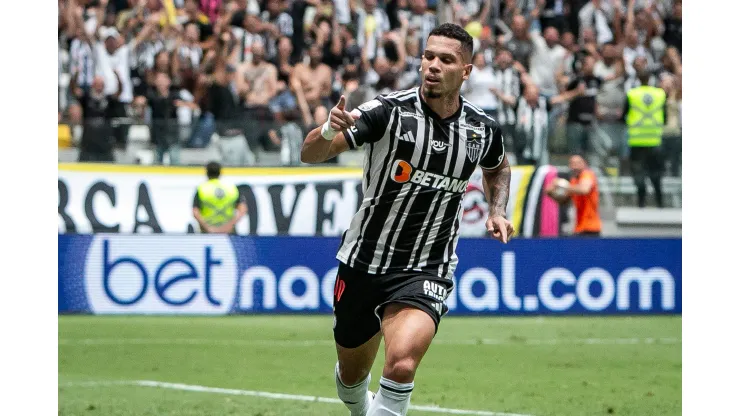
(219, 274)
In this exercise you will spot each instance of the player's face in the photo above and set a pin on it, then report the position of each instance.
(443, 67)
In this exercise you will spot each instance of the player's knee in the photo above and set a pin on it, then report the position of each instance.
(400, 368)
(351, 375)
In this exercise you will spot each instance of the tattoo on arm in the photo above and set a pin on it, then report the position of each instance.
(497, 185)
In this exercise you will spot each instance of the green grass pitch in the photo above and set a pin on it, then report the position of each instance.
(535, 366)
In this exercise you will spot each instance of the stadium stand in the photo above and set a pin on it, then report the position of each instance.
(285, 61)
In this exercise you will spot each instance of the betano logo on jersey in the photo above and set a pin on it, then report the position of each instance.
(403, 172)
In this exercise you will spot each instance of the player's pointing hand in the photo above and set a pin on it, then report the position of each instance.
(500, 228)
(341, 119)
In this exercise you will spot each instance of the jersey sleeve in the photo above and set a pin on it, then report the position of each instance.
(495, 152)
(370, 127)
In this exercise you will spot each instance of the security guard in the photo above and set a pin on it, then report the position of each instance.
(644, 115)
(217, 206)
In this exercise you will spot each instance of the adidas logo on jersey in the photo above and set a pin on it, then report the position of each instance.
(403, 172)
(408, 137)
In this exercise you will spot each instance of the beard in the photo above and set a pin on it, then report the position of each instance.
(429, 93)
(433, 94)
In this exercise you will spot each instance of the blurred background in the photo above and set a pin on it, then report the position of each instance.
(163, 82)
(150, 91)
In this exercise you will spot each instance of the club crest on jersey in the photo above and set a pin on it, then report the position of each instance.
(473, 146)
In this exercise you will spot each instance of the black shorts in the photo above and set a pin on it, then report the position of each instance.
(360, 298)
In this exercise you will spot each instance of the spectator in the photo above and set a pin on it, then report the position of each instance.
(111, 59)
(276, 23)
(188, 51)
(386, 70)
(191, 14)
(672, 130)
(312, 84)
(583, 190)
(163, 102)
(297, 12)
(546, 58)
(672, 33)
(581, 114)
(284, 99)
(247, 36)
(325, 33)
(507, 91)
(83, 66)
(218, 206)
(162, 64)
(211, 8)
(97, 111)
(520, 44)
(478, 89)
(289, 136)
(372, 24)
(257, 83)
(573, 55)
(224, 102)
(640, 65)
(645, 116)
(610, 98)
(597, 15)
(364, 47)
(633, 50)
(421, 21)
(410, 77)
(553, 14)
(648, 25)
(533, 124)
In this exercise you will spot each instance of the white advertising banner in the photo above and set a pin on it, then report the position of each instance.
(307, 201)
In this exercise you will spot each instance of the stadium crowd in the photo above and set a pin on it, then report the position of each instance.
(253, 76)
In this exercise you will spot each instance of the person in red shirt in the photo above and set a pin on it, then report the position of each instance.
(583, 189)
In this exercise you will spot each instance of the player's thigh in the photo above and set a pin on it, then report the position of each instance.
(408, 332)
(355, 301)
(411, 314)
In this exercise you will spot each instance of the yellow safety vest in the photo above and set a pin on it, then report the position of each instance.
(645, 117)
(218, 201)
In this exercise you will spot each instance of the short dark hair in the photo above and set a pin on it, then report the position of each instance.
(644, 76)
(453, 31)
(213, 170)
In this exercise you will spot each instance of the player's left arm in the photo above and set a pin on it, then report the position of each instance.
(496, 183)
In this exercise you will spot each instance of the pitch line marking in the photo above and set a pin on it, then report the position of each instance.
(270, 395)
(313, 343)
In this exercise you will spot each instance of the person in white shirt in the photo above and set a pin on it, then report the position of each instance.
(546, 58)
(477, 89)
(372, 24)
(598, 15)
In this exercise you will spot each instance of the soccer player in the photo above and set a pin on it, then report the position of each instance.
(397, 259)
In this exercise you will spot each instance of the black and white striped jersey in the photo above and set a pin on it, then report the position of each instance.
(416, 171)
